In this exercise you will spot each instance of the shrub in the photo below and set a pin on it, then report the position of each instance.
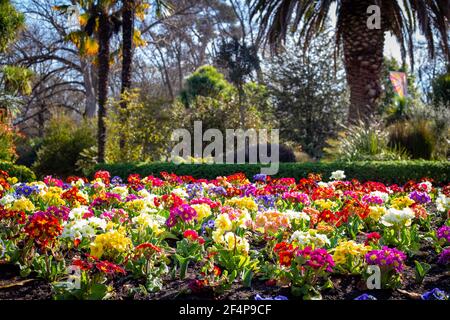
(61, 146)
(206, 81)
(8, 136)
(415, 136)
(384, 171)
(20, 172)
(362, 142)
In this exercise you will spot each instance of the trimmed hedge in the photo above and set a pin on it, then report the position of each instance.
(383, 171)
(20, 172)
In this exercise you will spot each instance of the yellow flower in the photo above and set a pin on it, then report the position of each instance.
(243, 203)
(23, 204)
(323, 204)
(377, 212)
(223, 223)
(217, 236)
(110, 244)
(349, 249)
(135, 205)
(12, 180)
(53, 197)
(203, 210)
(401, 202)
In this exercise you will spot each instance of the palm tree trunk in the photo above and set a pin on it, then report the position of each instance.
(127, 52)
(363, 56)
(103, 72)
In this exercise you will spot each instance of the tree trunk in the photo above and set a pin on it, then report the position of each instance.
(89, 87)
(363, 56)
(103, 72)
(127, 53)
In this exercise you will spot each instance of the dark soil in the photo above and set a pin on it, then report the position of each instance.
(13, 287)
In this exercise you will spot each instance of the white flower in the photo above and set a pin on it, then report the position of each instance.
(442, 203)
(122, 191)
(398, 218)
(97, 223)
(322, 184)
(383, 195)
(311, 237)
(180, 192)
(7, 199)
(77, 213)
(295, 215)
(338, 175)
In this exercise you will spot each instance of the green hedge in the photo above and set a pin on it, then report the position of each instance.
(20, 172)
(383, 171)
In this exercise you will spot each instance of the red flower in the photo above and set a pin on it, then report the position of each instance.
(109, 268)
(372, 237)
(103, 175)
(217, 271)
(327, 216)
(147, 245)
(190, 234)
(285, 258)
(43, 228)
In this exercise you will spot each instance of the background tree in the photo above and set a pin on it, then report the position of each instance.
(309, 96)
(239, 61)
(362, 46)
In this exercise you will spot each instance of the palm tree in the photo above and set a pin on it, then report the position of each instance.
(99, 21)
(131, 9)
(363, 46)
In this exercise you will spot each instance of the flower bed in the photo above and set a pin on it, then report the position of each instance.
(177, 237)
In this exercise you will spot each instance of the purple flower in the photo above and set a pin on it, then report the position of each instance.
(260, 177)
(444, 233)
(185, 212)
(220, 191)
(25, 190)
(279, 297)
(420, 197)
(116, 180)
(61, 212)
(369, 199)
(365, 296)
(387, 258)
(435, 294)
(444, 257)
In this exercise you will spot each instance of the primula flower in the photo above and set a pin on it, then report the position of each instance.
(443, 233)
(372, 237)
(104, 176)
(365, 296)
(398, 218)
(420, 197)
(317, 259)
(338, 175)
(43, 228)
(111, 244)
(444, 257)
(387, 258)
(435, 294)
(184, 212)
(279, 297)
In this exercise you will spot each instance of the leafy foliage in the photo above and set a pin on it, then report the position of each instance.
(206, 81)
(62, 145)
(10, 22)
(309, 95)
(363, 142)
(145, 127)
